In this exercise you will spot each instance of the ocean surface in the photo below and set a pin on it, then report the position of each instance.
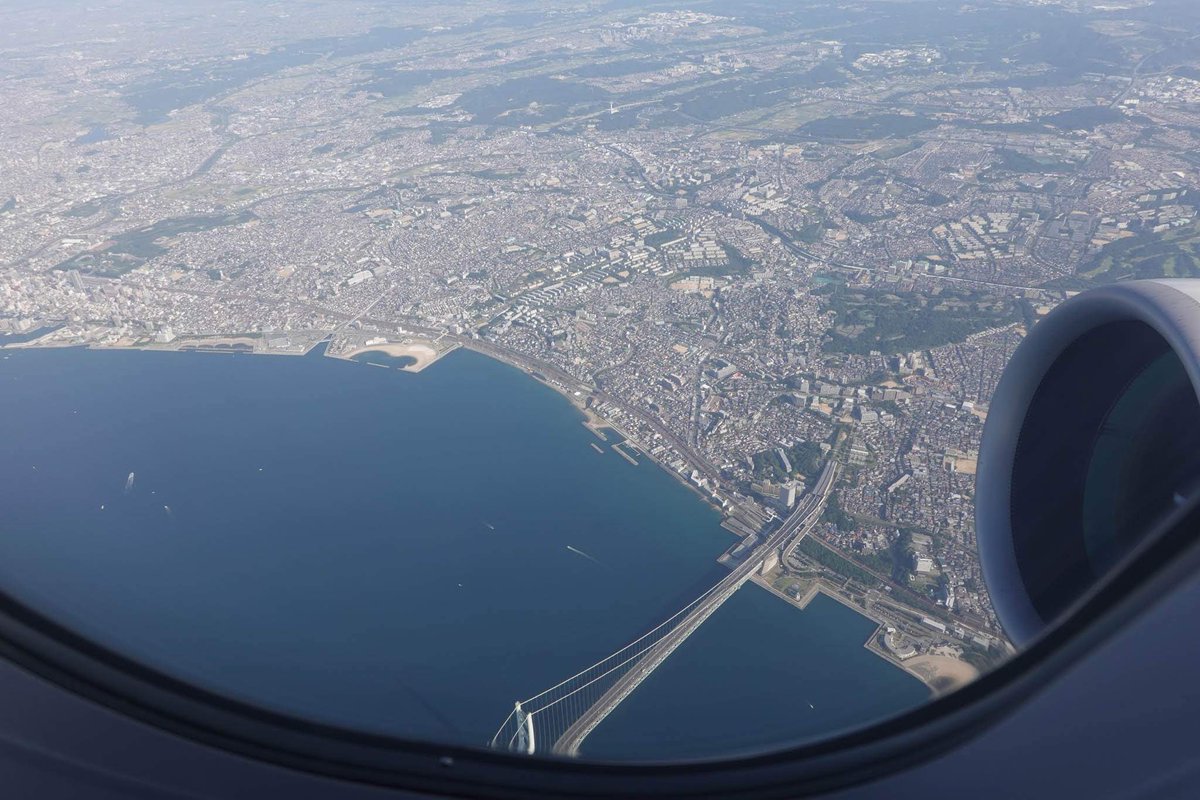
(389, 551)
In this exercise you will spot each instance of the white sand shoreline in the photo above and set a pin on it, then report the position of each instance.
(941, 673)
(423, 354)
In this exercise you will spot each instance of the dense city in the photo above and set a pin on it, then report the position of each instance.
(749, 238)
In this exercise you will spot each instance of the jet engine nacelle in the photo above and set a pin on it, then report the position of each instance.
(1092, 438)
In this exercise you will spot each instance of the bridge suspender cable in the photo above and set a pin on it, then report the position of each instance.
(571, 706)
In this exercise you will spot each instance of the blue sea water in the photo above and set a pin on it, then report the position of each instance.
(757, 674)
(389, 551)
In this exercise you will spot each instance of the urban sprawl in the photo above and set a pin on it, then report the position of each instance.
(749, 239)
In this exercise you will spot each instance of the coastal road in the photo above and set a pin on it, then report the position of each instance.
(695, 460)
(794, 528)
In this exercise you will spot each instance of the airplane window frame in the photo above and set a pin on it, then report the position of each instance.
(87, 669)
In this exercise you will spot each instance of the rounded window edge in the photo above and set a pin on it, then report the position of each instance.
(83, 668)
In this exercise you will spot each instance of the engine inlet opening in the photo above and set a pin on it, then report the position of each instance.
(1109, 445)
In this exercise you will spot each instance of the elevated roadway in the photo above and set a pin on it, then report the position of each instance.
(794, 528)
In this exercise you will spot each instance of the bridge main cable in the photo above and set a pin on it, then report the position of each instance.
(604, 662)
(793, 528)
(616, 653)
(654, 652)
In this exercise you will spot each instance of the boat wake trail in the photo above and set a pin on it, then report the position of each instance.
(579, 552)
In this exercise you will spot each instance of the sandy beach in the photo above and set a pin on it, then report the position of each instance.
(941, 673)
(424, 354)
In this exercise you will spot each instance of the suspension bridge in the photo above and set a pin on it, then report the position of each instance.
(561, 717)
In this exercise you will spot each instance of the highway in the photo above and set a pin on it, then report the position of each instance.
(795, 527)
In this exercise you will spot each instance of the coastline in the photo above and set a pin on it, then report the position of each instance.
(594, 422)
(423, 353)
(511, 522)
(940, 674)
(245, 344)
(426, 350)
(635, 444)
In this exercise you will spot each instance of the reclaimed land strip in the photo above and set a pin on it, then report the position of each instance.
(422, 353)
(941, 674)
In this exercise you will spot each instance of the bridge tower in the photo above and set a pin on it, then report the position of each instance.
(526, 741)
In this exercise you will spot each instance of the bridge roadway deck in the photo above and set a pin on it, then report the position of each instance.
(794, 527)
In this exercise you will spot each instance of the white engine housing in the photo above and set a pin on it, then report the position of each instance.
(1087, 444)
